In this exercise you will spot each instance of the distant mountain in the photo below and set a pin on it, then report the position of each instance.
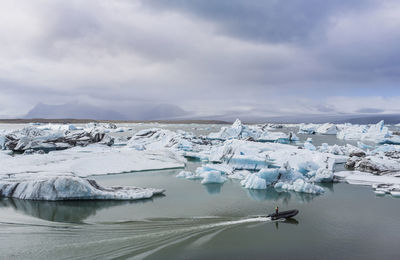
(73, 110)
(162, 111)
(84, 111)
(355, 119)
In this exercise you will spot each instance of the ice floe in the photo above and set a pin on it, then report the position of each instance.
(48, 139)
(300, 186)
(377, 133)
(381, 184)
(71, 188)
(90, 160)
(327, 129)
(256, 155)
(252, 133)
(308, 129)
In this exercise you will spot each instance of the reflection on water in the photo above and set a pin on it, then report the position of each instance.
(64, 211)
(280, 196)
(213, 188)
(292, 221)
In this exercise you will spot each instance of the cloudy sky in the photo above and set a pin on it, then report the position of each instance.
(258, 57)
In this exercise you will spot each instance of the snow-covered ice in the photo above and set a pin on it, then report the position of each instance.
(71, 188)
(256, 155)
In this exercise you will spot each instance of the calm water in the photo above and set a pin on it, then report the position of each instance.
(194, 221)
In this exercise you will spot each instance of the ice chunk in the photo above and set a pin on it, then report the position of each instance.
(278, 137)
(308, 145)
(300, 185)
(233, 132)
(249, 162)
(323, 175)
(239, 175)
(2, 142)
(378, 164)
(364, 178)
(185, 174)
(249, 132)
(269, 175)
(156, 138)
(395, 194)
(71, 188)
(39, 139)
(308, 129)
(57, 127)
(213, 177)
(327, 129)
(254, 181)
(377, 133)
(222, 168)
(91, 160)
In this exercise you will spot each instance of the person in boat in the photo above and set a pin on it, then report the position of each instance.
(276, 210)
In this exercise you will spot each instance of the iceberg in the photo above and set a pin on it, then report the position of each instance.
(48, 139)
(185, 174)
(327, 129)
(381, 184)
(286, 179)
(254, 181)
(213, 177)
(377, 133)
(58, 127)
(156, 139)
(308, 145)
(233, 132)
(379, 162)
(239, 175)
(71, 188)
(91, 160)
(300, 185)
(221, 168)
(308, 129)
(252, 133)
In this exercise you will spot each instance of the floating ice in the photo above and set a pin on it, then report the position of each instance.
(71, 188)
(222, 168)
(156, 139)
(239, 175)
(233, 132)
(377, 133)
(49, 139)
(308, 129)
(252, 133)
(90, 160)
(300, 185)
(58, 127)
(308, 145)
(381, 184)
(254, 181)
(327, 129)
(213, 177)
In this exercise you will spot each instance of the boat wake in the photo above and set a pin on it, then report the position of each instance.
(129, 239)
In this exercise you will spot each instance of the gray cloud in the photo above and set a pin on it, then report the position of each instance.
(370, 110)
(209, 57)
(271, 21)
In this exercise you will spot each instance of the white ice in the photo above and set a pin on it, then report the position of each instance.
(71, 188)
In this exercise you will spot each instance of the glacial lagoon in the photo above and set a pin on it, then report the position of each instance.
(210, 221)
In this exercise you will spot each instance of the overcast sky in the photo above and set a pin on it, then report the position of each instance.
(263, 57)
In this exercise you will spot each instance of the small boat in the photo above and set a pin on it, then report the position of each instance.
(284, 214)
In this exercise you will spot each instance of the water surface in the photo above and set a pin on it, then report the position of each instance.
(195, 221)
